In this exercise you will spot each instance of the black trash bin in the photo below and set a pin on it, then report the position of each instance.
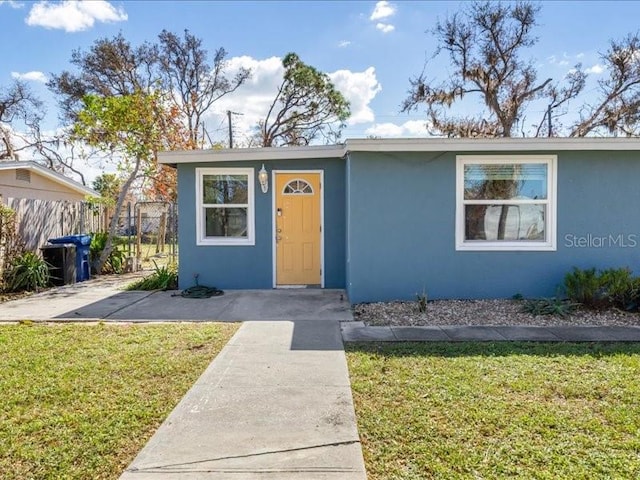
(82, 244)
(62, 263)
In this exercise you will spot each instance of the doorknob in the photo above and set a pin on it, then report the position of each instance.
(279, 230)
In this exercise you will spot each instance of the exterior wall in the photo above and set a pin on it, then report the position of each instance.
(251, 267)
(401, 230)
(39, 187)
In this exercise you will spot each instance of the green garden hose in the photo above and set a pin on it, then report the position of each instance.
(201, 291)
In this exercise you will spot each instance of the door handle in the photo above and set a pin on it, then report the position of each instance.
(279, 230)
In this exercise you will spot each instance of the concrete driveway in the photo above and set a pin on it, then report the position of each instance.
(104, 299)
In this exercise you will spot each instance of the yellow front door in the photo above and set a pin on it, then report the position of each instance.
(298, 229)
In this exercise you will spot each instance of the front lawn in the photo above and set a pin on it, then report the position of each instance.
(79, 401)
(495, 411)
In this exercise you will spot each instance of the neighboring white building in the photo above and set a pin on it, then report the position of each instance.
(28, 179)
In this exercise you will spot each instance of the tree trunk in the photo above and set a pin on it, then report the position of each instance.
(116, 215)
(502, 223)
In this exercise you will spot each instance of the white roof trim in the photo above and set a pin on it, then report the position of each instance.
(490, 144)
(471, 145)
(50, 174)
(249, 154)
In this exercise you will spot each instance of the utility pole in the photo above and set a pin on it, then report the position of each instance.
(205, 133)
(229, 113)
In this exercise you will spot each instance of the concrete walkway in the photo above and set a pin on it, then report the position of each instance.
(275, 403)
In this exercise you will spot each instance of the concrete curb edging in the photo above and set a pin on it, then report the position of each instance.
(359, 332)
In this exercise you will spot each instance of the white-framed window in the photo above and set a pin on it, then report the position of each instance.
(506, 202)
(225, 206)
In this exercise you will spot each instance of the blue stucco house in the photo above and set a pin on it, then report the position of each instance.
(386, 219)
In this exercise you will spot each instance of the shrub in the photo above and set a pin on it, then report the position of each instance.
(26, 272)
(620, 288)
(584, 287)
(163, 278)
(615, 287)
(11, 245)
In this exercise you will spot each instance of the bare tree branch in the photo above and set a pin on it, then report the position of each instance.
(484, 45)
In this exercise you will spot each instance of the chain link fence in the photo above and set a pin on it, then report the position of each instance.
(149, 233)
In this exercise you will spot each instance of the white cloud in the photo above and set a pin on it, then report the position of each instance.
(73, 15)
(34, 76)
(385, 27)
(595, 69)
(387, 129)
(12, 3)
(359, 88)
(410, 128)
(253, 99)
(344, 43)
(382, 10)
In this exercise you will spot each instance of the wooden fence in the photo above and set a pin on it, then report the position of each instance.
(40, 220)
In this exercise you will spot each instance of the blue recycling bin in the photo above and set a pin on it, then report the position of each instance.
(82, 243)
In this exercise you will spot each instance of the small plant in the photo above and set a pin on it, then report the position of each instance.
(116, 261)
(549, 306)
(163, 278)
(421, 300)
(27, 272)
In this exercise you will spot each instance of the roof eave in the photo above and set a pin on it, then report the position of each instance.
(250, 154)
(400, 145)
(491, 144)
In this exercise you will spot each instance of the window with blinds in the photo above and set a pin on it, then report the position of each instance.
(505, 203)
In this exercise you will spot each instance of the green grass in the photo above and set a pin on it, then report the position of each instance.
(496, 411)
(79, 401)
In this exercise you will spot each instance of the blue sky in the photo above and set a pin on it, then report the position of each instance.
(369, 48)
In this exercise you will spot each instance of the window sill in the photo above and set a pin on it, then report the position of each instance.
(226, 243)
(506, 247)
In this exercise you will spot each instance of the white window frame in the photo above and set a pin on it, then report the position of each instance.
(201, 239)
(521, 245)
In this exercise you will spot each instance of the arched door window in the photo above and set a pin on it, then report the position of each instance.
(297, 187)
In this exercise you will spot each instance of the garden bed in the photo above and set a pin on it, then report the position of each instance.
(481, 312)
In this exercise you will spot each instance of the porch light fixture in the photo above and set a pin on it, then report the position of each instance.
(263, 178)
